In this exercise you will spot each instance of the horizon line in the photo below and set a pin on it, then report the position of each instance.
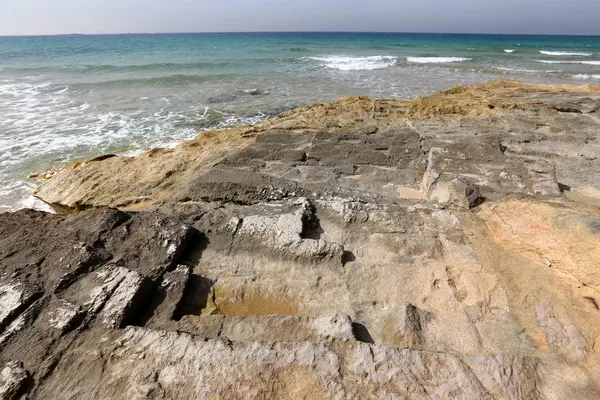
(298, 31)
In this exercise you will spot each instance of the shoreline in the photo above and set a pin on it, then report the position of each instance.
(457, 102)
(116, 97)
(42, 175)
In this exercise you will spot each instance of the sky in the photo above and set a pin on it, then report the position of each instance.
(35, 17)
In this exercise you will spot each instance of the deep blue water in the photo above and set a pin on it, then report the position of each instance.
(69, 97)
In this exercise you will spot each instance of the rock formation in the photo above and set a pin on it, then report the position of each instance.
(447, 247)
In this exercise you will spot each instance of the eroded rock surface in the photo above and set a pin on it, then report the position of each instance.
(441, 248)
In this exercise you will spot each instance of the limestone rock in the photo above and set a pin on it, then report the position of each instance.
(62, 315)
(126, 301)
(14, 299)
(282, 328)
(445, 247)
(181, 366)
(287, 233)
(169, 295)
(12, 377)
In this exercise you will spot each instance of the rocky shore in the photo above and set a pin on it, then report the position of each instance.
(447, 247)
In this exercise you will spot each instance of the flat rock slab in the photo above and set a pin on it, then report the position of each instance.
(180, 366)
(282, 328)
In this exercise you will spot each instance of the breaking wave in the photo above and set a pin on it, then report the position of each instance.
(568, 62)
(49, 124)
(436, 60)
(586, 76)
(564, 53)
(347, 63)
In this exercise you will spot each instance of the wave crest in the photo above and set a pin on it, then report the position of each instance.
(587, 76)
(346, 63)
(436, 60)
(564, 53)
(568, 62)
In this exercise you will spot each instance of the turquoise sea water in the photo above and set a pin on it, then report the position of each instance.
(64, 98)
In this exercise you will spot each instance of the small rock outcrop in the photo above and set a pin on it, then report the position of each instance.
(446, 247)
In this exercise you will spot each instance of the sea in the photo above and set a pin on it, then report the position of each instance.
(72, 97)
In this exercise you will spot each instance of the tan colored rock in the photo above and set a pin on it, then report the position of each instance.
(553, 236)
(152, 364)
(284, 328)
(441, 248)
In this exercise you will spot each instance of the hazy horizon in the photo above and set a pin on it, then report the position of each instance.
(38, 17)
(299, 31)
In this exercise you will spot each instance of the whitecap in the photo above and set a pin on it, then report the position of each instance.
(63, 90)
(564, 53)
(515, 69)
(132, 153)
(509, 50)
(44, 125)
(436, 60)
(553, 61)
(586, 76)
(568, 62)
(347, 63)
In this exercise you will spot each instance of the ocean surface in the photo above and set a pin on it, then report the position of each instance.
(67, 98)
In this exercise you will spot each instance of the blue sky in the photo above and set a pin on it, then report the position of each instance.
(478, 16)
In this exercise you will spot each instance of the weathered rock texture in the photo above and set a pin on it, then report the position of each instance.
(443, 248)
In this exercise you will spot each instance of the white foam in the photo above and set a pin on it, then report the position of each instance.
(518, 69)
(35, 204)
(234, 120)
(132, 153)
(564, 53)
(509, 51)
(436, 60)
(587, 76)
(347, 63)
(553, 62)
(568, 62)
(47, 124)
